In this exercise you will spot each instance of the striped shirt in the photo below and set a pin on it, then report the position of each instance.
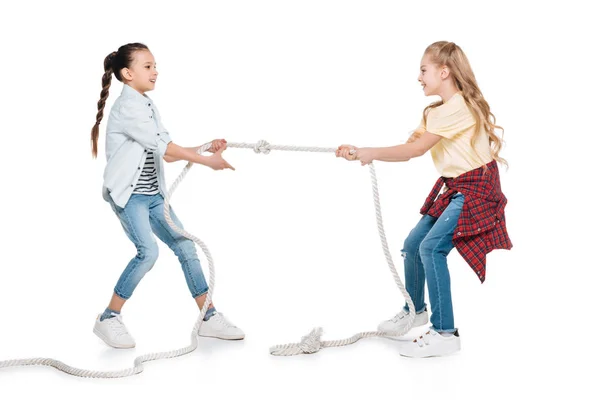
(148, 181)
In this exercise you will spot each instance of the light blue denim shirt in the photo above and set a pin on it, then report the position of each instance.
(133, 128)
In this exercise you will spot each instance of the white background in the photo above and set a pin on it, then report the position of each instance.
(293, 235)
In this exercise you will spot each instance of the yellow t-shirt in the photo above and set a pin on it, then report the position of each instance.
(454, 122)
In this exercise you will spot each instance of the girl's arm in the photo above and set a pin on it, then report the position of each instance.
(215, 161)
(171, 159)
(216, 145)
(139, 126)
(402, 152)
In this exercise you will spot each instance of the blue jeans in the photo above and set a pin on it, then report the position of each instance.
(143, 215)
(425, 251)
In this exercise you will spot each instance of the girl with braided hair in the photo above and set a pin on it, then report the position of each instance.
(134, 186)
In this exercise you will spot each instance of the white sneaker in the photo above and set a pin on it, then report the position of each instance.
(114, 332)
(219, 327)
(431, 344)
(400, 320)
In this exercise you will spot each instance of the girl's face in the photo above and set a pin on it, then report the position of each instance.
(142, 74)
(431, 76)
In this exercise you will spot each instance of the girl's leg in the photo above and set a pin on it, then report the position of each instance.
(215, 325)
(414, 279)
(135, 220)
(184, 249)
(116, 303)
(433, 250)
(414, 273)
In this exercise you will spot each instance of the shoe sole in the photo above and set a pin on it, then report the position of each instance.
(116, 346)
(223, 337)
(443, 354)
(433, 355)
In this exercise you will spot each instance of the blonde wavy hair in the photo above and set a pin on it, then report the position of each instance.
(451, 55)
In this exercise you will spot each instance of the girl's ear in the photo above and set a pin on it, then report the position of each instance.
(445, 72)
(126, 74)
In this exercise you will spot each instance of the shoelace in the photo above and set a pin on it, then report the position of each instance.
(222, 320)
(117, 325)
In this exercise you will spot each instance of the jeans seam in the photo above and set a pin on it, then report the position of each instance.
(416, 271)
(187, 269)
(437, 282)
(134, 232)
(137, 243)
(175, 244)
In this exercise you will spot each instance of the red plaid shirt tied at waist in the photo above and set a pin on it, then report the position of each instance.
(481, 225)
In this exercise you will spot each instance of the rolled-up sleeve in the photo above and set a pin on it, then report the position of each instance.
(421, 128)
(139, 125)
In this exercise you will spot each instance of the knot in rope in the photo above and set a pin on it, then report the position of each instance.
(262, 146)
(311, 343)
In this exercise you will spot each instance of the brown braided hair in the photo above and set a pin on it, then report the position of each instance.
(113, 63)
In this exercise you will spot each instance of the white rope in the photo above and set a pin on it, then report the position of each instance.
(312, 342)
(309, 344)
(138, 367)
